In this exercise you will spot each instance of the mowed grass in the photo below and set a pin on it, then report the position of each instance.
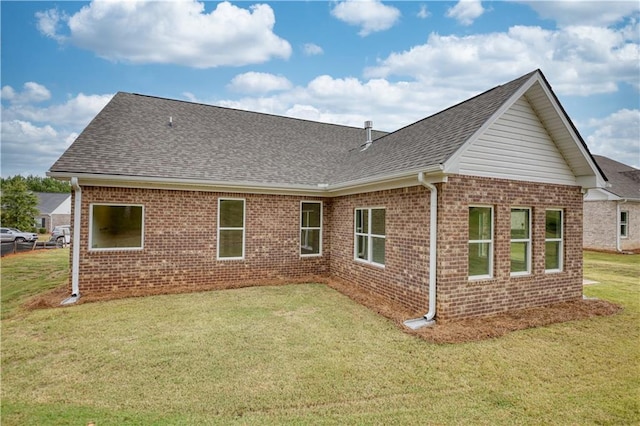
(305, 354)
(27, 274)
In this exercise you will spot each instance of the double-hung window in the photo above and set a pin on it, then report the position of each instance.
(116, 227)
(310, 228)
(624, 224)
(231, 219)
(370, 235)
(553, 250)
(520, 241)
(480, 242)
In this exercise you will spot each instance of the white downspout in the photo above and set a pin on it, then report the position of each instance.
(427, 319)
(75, 258)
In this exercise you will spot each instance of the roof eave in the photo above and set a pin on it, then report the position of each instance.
(376, 183)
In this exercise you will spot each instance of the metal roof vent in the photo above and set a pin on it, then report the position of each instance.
(368, 125)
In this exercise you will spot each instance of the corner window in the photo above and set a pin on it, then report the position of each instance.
(480, 242)
(310, 228)
(370, 235)
(116, 227)
(624, 224)
(230, 229)
(553, 241)
(520, 241)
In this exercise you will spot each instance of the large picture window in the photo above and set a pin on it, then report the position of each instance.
(520, 241)
(370, 235)
(310, 228)
(480, 242)
(553, 241)
(231, 228)
(116, 227)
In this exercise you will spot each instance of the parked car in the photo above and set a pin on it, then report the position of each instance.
(61, 234)
(11, 234)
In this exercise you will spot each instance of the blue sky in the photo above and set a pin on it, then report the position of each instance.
(342, 62)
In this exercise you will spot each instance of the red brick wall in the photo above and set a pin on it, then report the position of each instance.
(180, 243)
(404, 277)
(457, 297)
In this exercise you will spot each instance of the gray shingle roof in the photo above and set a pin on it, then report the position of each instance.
(132, 136)
(49, 201)
(624, 179)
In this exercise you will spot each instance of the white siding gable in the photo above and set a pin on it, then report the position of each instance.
(64, 207)
(516, 146)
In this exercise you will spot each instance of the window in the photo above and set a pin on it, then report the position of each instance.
(480, 242)
(116, 227)
(230, 229)
(624, 224)
(370, 235)
(310, 228)
(553, 241)
(520, 241)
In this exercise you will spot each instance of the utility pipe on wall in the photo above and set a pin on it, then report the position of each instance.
(427, 319)
(75, 258)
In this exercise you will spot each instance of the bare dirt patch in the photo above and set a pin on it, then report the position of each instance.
(468, 330)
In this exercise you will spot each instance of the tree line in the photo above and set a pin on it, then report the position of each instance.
(19, 204)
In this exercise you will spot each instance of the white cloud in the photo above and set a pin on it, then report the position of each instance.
(423, 12)
(370, 15)
(34, 136)
(466, 11)
(579, 60)
(32, 93)
(171, 32)
(49, 22)
(310, 49)
(617, 136)
(580, 12)
(258, 82)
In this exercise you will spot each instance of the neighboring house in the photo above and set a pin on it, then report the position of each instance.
(472, 211)
(54, 210)
(612, 214)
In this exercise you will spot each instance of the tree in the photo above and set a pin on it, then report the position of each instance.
(40, 184)
(19, 206)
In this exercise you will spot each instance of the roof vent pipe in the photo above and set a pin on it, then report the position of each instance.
(368, 125)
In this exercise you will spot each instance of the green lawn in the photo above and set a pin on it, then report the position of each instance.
(305, 354)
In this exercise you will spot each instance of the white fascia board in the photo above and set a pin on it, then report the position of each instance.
(121, 181)
(391, 181)
(599, 181)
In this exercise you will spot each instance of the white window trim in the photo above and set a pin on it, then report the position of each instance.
(522, 240)
(560, 240)
(490, 241)
(625, 223)
(226, 228)
(369, 235)
(302, 228)
(91, 205)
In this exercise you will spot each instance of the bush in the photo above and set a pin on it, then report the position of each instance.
(42, 230)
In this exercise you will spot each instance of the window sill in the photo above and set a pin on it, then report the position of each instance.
(373, 264)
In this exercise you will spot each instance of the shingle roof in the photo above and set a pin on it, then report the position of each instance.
(49, 201)
(132, 136)
(624, 179)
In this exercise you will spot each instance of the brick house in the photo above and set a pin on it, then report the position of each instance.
(612, 214)
(54, 209)
(469, 212)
